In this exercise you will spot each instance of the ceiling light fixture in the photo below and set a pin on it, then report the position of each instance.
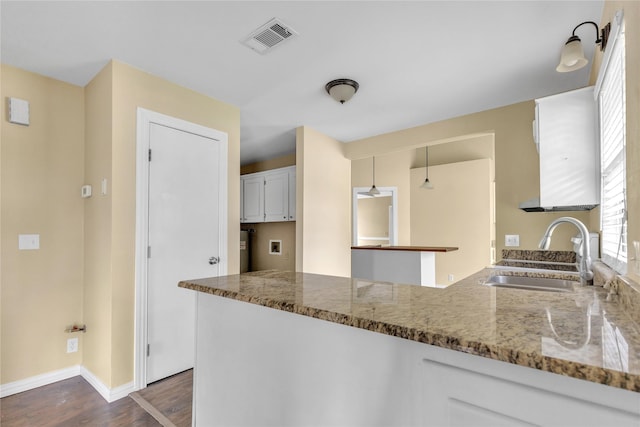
(342, 89)
(572, 55)
(426, 184)
(373, 191)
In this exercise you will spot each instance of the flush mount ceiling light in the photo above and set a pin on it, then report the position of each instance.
(373, 191)
(342, 89)
(426, 184)
(572, 55)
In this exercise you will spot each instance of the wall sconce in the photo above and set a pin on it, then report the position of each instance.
(342, 89)
(572, 55)
(373, 191)
(426, 184)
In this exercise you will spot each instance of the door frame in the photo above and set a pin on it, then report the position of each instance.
(144, 120)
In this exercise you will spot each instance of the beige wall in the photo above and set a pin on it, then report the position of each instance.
(393, 169)
(42, 171)
(323, 205)
(275, 163)
(456, 212)
(373, 220)
(97, 301)
(84, 271)
(261, 259)
(632, 38)
(130, 89)
(516, 166)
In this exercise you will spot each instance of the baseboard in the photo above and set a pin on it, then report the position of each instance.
(39, 380)
(108, 394)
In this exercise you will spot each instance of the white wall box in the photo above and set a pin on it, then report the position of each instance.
(565, 132)
(268, 196)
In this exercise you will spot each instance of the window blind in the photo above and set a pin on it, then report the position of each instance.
(613, 207)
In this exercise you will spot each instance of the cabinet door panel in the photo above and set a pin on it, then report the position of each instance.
(276, 197)
(253, 199)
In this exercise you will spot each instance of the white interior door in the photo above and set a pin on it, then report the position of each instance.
(184, 241)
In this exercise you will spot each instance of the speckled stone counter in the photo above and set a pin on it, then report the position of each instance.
(578, 334)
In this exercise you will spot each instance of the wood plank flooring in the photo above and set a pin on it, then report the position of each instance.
(172, 397)
(73, 402)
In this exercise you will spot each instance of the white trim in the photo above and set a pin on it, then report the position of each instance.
(39, 380)
(616, 26)
(108, 394)
(144, 119)
(393, 237)
(47, 378)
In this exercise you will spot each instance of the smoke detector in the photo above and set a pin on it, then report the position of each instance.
(268, 36)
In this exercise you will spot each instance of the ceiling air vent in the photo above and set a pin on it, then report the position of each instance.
(270, 35)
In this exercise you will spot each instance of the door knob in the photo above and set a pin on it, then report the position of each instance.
(214, 260)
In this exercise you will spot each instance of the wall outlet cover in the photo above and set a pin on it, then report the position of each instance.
(72, 345)
(512, 240)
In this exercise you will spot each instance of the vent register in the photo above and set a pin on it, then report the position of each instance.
(268, 36)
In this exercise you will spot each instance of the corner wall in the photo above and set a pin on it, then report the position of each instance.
(323, 205)
(42, 171)
(133, 88)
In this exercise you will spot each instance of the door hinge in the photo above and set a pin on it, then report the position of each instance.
(149, 154)
(148, 346)
(148, 251)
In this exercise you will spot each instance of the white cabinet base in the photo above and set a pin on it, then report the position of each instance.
(261, 366)
(409, 267)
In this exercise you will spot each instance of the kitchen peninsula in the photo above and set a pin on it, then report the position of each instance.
(399, 264)
(284, 348)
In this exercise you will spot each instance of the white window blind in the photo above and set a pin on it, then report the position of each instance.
(613, 207)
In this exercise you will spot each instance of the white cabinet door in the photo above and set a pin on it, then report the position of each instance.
(569, 163)
(268, 196)
(292, 194)
(276, 196)
(455, 396)
(253, 198)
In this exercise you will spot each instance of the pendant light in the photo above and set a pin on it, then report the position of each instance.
(426, 184)
(374, 191)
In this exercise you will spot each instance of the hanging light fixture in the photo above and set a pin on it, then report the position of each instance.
(342, 89)
(426, 184)
(373, 191)
(572, 56)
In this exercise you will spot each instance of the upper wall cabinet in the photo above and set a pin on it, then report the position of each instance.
(268, 196)
(565, 133)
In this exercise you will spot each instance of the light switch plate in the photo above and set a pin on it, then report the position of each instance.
(28, 242)
(512, 240)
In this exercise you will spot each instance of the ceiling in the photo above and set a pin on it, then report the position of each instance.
(417, 62)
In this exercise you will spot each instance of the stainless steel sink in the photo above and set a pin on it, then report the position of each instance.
(531, 283)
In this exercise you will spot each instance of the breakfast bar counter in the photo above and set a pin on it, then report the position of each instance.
(400, 264)
(582, 346)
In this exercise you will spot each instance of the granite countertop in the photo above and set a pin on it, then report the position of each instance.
(408, 248)
(578, 334)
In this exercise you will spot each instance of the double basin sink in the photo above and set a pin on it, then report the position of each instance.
(530, 283)
(534, 279)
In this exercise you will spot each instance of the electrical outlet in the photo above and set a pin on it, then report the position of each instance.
(72, 345)
(512, 240)
(450, 277)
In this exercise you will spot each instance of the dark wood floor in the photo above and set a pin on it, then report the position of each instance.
(74, 402)
(173, 397)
